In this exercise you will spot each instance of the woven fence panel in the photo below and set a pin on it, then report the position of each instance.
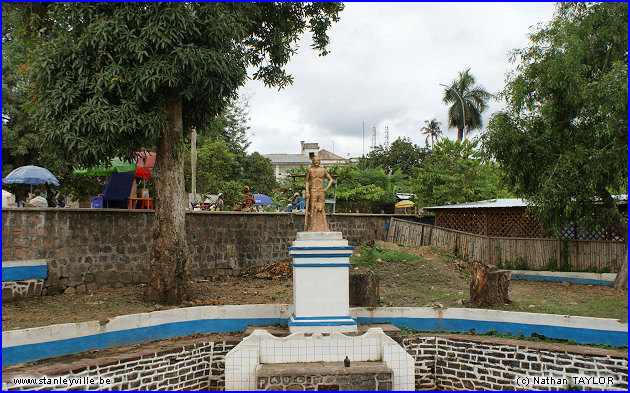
(537, 253)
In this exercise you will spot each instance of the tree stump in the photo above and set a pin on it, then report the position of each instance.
(488, 286)
(364, 289)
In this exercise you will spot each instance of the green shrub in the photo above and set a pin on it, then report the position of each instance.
(372, 256)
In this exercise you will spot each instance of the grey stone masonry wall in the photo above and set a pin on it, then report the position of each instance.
(196, 367)
(13, 290)
(360, 376)
(87, 248)
(443, 362)
(460, 363)
(423, 350)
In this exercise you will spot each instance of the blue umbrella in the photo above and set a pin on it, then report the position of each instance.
(262, 199)
(31, 174)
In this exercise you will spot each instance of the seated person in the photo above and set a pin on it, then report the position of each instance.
(299, 203)
(247, 203)
(38, 200)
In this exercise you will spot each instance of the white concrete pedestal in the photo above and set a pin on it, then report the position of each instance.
(321, 284)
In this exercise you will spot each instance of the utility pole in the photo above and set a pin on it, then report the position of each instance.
(373, 138)
(363, 141)
(193, 162)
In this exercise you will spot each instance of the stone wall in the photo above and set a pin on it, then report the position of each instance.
(442, 362)
(196, 367)
(87, 248)
(359, 376)
(452, 362)
(13, 290)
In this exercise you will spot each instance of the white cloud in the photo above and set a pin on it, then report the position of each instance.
(384, 69)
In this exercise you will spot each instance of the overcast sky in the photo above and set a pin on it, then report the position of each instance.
(386, 63)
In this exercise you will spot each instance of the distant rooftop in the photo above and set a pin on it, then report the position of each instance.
(288, 158)
(326, 155)
(503, 202)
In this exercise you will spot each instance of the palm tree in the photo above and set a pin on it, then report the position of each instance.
(474, 99)
(431, 130)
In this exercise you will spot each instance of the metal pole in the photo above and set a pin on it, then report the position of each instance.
(193, 163)
(363, 146)
(460, 100)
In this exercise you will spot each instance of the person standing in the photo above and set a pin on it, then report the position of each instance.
(51, 196)
(316, 196)
(218, 205)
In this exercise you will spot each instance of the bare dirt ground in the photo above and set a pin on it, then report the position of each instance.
(433, 278)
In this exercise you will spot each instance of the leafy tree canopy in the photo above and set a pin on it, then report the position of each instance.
(456, 173)
(562, 141)
(103, 72)
(402, 154)
(110, 79)
(474, 98)
(229, 127)
(432, 130)
(369, 189)
(258, 173)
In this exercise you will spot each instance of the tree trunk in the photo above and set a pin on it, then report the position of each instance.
(488, 286)
(364, 289)
(168, 266)
(621, 281)
(460, 132)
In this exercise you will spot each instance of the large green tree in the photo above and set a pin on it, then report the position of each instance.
(216, 165)
(368, 190)
(229, 127)
(109, 79)
(563, 139)
(258, 173)
(22, 143)
(402, 154)
(457, 173)
(474, 99)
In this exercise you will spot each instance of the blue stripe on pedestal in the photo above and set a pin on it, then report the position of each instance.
(321, 321)
(320, 248)
(321, 255)
(321, 264)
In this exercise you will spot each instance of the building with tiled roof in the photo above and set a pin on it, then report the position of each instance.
(282, 163)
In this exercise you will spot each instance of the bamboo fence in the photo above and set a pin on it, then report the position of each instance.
(536, 253)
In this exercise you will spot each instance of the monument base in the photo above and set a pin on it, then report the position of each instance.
(322, 324)
(321, 283)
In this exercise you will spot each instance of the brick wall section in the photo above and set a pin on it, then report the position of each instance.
(13, 290)
(423, 350)
(360, 376)
(198, 367)
(464, 364)
(443, 362)
(87, 248)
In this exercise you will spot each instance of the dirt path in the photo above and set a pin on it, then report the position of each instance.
(434, 277)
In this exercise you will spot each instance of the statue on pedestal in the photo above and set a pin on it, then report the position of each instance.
(316, 197)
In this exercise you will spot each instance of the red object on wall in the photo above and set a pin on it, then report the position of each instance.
(145, 163)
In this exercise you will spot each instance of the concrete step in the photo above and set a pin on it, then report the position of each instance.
(282, 331)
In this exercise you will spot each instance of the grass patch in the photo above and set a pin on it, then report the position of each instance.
(604, 307)
(375, 255)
